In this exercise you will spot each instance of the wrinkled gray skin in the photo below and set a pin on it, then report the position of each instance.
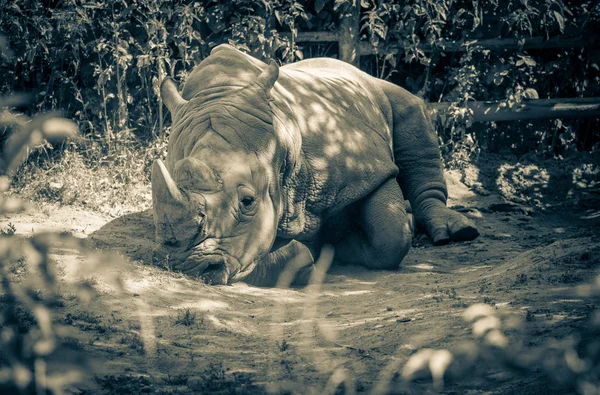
(267, 164)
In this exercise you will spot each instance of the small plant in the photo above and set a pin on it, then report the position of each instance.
(283, 346)
(9, 230)
(569, 277)
(124, 384)
(84, 316)
(483, 286)
(17, 267)
(216, 380)
(521, 279)
(529, 316)
(134, 342)
(176, 379)
(186, 318)
(451, 293)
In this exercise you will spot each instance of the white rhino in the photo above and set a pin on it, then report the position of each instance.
(267, 164)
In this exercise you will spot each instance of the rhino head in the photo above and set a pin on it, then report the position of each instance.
(216, 200)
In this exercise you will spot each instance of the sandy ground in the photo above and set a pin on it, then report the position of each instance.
(166, 333)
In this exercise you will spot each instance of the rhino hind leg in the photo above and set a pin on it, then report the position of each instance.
(417, 155)
(383, 233)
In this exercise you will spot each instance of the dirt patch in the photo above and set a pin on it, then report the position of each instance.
(537, 181)
(164, 332)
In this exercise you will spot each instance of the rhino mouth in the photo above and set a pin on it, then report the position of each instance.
(212, 267)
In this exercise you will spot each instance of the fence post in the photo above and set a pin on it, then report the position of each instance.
(349, 33)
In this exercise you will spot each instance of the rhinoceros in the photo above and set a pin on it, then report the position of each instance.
(267, 164)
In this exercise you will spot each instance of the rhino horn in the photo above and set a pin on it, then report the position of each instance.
(170, 95)
(164, 188)
(267, 78)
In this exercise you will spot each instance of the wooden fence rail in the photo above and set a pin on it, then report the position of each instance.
(496, 44)
(581, 107)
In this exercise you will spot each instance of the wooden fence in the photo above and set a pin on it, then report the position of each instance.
(351, 49)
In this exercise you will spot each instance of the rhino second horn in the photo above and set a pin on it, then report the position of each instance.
(164, 188)
(170, 95)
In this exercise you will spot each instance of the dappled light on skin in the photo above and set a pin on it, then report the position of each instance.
(316, 329)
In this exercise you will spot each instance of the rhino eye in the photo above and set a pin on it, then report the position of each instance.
(247, 200)
(247, 203)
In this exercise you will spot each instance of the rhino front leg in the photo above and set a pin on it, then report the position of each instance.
(292, 263)
(383, 235)
(417, 155)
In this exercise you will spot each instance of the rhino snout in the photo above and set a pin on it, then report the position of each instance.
(212, 267)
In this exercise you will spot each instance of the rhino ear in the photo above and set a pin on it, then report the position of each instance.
(164, 189)
(268, 77)
(170, 95)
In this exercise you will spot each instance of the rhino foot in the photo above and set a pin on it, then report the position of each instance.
(445, 225)
(291, 264)
(303, 276)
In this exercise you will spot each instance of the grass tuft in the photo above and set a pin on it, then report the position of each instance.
(185, 318)
(113, 180)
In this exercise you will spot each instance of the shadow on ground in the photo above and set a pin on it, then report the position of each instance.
(131, 234)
